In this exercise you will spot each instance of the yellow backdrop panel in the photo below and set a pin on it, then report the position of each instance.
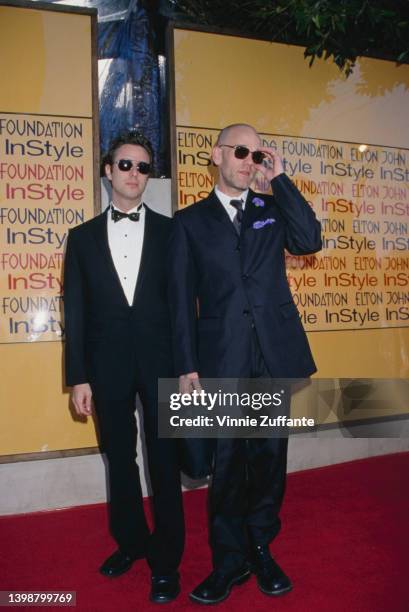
(344, 143)
(46, 187)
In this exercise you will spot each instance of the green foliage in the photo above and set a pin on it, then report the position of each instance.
(342, 30)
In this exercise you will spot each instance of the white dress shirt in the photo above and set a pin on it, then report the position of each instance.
(125, 239)
(225, 200)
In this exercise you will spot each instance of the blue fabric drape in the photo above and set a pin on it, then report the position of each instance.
(130, 96)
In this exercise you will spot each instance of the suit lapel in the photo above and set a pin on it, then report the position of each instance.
(218, 212)
(252, 212)
(100, 231)
(148, 249)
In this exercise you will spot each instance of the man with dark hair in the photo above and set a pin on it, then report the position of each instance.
(233, 317)
(118, 345)
(131, 138)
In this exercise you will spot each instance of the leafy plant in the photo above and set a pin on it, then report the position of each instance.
(342, 30)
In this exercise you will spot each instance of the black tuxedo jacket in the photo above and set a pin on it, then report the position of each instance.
(102, 331)
(221, 283)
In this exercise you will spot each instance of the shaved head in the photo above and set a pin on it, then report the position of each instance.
(226, 132)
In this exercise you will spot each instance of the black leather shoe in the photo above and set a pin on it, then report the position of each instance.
(270, 577)
(117, 564)
(165, 588)
(217, 586)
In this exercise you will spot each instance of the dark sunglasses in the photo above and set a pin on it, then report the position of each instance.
(241, 152)
(126, 164)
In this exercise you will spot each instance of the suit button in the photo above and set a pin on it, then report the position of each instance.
(246, 313)
(245, 277)
(238, 247)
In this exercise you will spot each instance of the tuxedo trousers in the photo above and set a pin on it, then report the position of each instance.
(247, 487)
(116, 420)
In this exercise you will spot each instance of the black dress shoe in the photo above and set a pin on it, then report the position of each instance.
(117, 564)
(165, 588)
(270, 577)
(217, 586)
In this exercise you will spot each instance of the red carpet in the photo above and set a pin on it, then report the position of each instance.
(344, 543)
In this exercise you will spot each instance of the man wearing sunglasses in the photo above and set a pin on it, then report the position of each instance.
(117, 346)
(233, 317)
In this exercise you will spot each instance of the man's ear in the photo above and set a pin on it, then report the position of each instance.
(216, 155)
(108, 172)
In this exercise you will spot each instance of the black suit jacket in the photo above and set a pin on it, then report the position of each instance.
(218, 282)
(102, 330)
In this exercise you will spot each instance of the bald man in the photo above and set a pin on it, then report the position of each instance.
(233, 316)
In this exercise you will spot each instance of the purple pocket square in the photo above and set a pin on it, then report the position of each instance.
(263, 223)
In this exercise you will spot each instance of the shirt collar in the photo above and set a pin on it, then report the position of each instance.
(138, 208)
(225, 199)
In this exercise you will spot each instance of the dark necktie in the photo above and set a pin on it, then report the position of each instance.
(117, 215)
(238, 205)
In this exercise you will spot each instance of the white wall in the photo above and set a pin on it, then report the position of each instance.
(59, 483)
(157, 195)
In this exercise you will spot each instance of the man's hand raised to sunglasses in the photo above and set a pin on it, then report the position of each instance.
(272, 165)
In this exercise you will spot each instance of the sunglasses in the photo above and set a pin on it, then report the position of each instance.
(241, 152)
(125, 165)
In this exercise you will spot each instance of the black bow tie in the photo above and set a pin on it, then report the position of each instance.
(117, 215)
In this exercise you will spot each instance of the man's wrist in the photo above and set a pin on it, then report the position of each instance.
(282, 173)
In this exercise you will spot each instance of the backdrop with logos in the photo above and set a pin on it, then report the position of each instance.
(49, 182)
(344, 144)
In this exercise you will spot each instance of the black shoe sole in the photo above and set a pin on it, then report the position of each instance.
(164, 601)
(124, 570)
(116, 574)
(275, 593)
(236, 582)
